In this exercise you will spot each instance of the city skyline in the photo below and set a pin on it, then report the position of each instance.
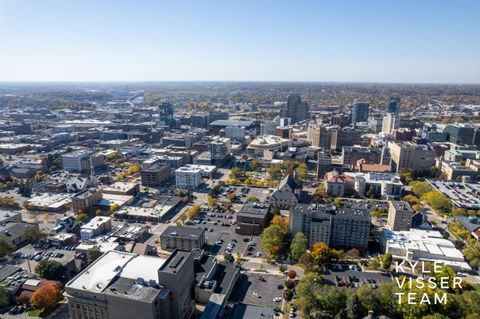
(305, 41)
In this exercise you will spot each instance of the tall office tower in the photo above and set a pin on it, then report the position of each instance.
(360, 112)
(393, 105)
(399, 215)
(166, 114)
(296, 109)
(459, 133)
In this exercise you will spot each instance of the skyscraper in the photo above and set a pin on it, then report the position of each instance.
(393, 105)
(165, 110)
(360, 112)
(296, 109)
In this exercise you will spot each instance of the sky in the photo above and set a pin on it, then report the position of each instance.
(433, 41)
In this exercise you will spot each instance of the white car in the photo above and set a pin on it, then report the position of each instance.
(277, 299)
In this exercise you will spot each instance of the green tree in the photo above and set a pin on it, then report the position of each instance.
(253, 199)
(254, 164)
(386, 261)
(472, 253)
(274, 172)
(354, 307)
(4, 299)
(298, 246)
(420, 188)
(307, 290)
(6, 247)
(93, 254)
(32, 234)
(302, 171)
(51, 270)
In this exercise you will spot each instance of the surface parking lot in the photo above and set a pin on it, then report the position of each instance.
(345, 276)
(259, 289)
(219, 233)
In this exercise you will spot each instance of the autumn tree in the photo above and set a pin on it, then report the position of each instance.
(302, 171)
(46, 297)
(276, 238)
(193, 211)
(322, 254)
(32, 234)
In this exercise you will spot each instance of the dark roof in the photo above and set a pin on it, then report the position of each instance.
(254, 209)
(175, 261)
(285, 195)
(183, 232)
(290, 181)
(243, 311)
(469, 222)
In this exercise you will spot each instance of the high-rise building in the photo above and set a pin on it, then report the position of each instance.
(390, 122)
(462, 134)
(319, 136)
(166, 114)
(399, 216)
(338, 227)
(235, 133)
(393, 105)
(267, 128)
(412, 156)
(296, 109)
(220, 149)
(360, 112)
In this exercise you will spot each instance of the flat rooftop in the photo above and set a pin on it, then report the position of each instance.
(183, 232)
(175, 261)
(113, 265)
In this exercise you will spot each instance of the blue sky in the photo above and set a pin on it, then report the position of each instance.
(241, 40)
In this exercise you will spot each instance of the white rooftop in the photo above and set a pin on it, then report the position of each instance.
(112, 264)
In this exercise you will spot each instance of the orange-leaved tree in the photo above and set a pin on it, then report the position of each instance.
(46, 297)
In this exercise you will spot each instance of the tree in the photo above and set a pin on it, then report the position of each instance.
(239, 260)
(292, 274)
(306, 262)
(98, 212)
(114, 208)
(93, 254)
(322, 255)
(253, 199)
(193, 211)
(298, 246)
(231, 196)
(302, 171)
(354, 307)
(212, 201)
(386, 261)
(254, 165)
(275, 238)
(6, 247)
(439, 202)
(472, 253)
(46, 297)
(420, 188)
(337, 202)
(411, 199)
(32, 234)
(80, 217)
(371, 193)
(308, 289)
(274, 172)
(50, 269)
(4, 299)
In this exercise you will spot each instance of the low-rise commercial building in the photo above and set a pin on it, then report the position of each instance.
(423, 245)
(252, 218)
(155, 175)
(175, 237)
(97, 226)
(121, 285)
(190, 176)
(86, 200)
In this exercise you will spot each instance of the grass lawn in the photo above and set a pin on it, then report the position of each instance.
(34, 313)
(476, 286)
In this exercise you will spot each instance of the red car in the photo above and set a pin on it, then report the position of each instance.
(262, 279)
